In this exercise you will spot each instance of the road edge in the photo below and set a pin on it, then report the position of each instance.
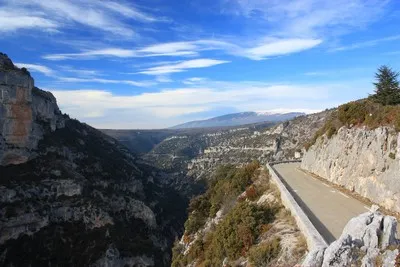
(313, 237)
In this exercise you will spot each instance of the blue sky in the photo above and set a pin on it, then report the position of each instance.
(157, 63)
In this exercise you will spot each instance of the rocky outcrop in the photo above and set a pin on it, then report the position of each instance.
(366, 240)
(26, 114)
(364, 161)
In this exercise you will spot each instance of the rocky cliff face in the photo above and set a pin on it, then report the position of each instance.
(72, 196)
(26, 114)
(364, 161)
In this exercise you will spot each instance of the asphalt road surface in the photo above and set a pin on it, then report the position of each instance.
(328, 209)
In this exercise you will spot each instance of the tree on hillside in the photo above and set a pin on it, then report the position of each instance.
(387, 90)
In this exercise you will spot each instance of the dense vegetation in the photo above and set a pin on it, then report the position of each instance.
(226, 185)
(236, 234)
(380, 109)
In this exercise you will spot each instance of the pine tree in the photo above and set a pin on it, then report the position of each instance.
(387, 90)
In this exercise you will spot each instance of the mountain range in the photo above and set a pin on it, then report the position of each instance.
(242, 118)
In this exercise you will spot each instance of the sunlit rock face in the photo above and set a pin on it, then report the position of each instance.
(362, 160)
(26, 114)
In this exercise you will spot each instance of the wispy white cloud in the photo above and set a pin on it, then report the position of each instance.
(36, 68)
(129, 11)
(105, 16)
(107, 52)
(12, 20)
(106, 81)
(368, 43)
(81, 72)
(268, 47)
(194, 80)
(309, 17)
(183, 66)
(170, 49)
(281, 47)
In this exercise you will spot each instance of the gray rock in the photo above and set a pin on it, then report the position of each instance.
(389, 235)
(389, 258)
(362, 160)
(369, 259)
(314, 258)
(364, 229)
(339, 252)
(359, 243)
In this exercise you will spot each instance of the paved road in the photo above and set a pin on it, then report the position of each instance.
(328, 209)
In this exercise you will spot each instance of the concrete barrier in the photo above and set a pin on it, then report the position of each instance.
(313, 237)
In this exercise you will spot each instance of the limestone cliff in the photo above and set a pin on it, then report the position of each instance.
(26, 114)
(364, 161)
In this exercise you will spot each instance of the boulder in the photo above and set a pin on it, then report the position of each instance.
(314, 257)
(389, 232)
(365, 239)
(364, 229)
(339, 252)
(389, 258)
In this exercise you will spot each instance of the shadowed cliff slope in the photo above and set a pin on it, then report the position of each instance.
(71, 195)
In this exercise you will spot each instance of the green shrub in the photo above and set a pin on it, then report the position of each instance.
(352, 113)
(237, 232)
(199, 208)
(263, 254)
(392, 155)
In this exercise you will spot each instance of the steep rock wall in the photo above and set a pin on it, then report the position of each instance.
(26, 114)
(364, 161)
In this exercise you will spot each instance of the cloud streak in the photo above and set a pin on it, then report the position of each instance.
(281, 47)
(36, 68)
(369, 43)
(309, 18)
(260, 50)
(183, 66)
(106, 16)
(107, 81)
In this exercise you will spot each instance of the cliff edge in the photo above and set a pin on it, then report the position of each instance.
(26, 114)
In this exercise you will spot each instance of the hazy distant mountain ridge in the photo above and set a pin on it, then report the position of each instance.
(241, 118)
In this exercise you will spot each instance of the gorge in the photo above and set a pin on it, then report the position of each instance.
(74, 195)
